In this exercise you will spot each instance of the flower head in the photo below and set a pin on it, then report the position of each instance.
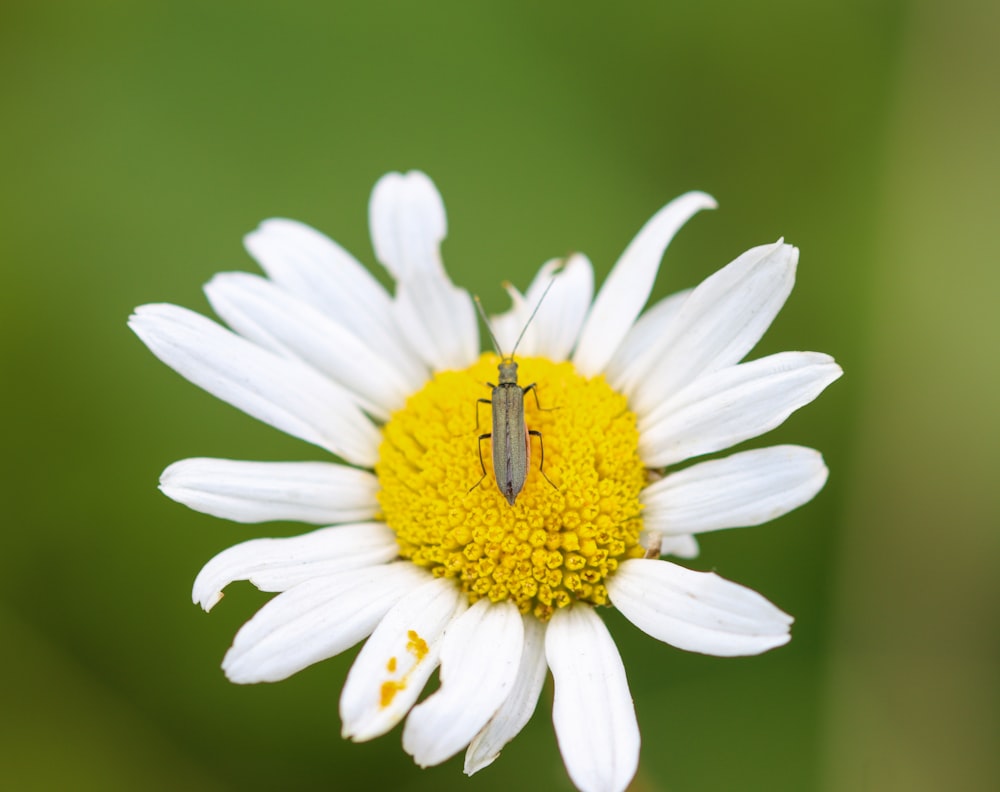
(486, 554)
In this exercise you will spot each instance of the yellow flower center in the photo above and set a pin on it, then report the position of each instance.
(563, 536)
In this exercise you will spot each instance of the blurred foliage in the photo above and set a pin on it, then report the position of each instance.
(140, 141)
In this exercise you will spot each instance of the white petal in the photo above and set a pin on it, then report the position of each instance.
(696, 611)
(554, 330)
(262, 312)
(248, 492)
(315, 620)
(283, 393)
(627, 287)
(561, 320)
(480, 655)
(439, 321)
(720, 322)
(397, 660)
(519, 706)
(731, 405)
(592, 710)
(748, 488)
(408, 224)
(279, 564)
(314, 268)
(638, 352)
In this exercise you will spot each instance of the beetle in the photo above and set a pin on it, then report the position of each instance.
(511, 437)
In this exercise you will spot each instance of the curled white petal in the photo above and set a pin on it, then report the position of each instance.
(396, 661)
(480, 655)
(592, 711)
(249, 492)
(314, 268)
(554, 330)
(627, 287)
(284, 393)
(731, 405)
(315, 620)
(518, 707)
(748, 488)
(696, 611)
(279, 564)
(407, 222)
(507, 326)
(267, 315)
(723, 319)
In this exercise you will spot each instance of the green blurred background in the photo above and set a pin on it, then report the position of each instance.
(140, 141)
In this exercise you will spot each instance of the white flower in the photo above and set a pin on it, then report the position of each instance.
(439, 571)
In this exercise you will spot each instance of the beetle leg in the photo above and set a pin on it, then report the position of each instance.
(534, 392)
(541, 456)
(481, 463)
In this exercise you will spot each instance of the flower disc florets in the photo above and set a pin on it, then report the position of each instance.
(563, 536)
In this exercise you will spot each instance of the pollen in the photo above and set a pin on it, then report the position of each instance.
(567, 530)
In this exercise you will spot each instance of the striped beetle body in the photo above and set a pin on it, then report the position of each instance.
(511, 437)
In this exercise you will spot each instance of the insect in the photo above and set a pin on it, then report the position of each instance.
(511, 437)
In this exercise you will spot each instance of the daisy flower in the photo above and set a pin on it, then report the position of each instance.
(421, 553)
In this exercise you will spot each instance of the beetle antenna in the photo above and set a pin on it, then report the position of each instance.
(537, 306)
(489, 329)
(486, 322)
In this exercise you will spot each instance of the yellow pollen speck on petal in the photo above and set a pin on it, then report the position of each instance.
(391, 665)
(416, 645)
(559, 541)
(389, 691)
